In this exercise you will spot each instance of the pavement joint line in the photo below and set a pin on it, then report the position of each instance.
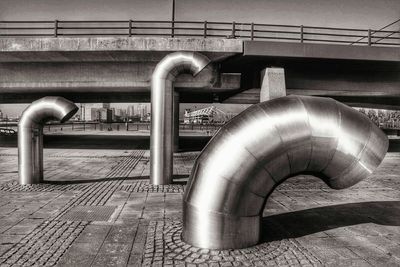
(133, 242)
(102, 243)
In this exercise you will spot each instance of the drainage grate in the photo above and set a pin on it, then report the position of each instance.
(89, 213)
(144, 186)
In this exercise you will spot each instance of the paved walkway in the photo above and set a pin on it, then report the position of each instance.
(98, 209)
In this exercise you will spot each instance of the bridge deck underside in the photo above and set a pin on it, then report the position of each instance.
(118, 69)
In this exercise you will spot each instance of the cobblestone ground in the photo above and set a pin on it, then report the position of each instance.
(97, 208)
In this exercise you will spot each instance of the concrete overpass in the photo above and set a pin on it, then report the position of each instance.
(102, 68)
(118, 68)
(358, 75)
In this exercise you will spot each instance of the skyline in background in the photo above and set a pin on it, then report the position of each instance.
(15, 110)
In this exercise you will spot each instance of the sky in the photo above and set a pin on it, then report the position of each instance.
(337, 13)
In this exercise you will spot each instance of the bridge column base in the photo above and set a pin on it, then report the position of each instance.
(272, 84)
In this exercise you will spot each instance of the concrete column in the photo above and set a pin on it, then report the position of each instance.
(272, 84)
(176, 121)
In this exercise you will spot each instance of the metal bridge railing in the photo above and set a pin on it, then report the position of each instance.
(202, 29)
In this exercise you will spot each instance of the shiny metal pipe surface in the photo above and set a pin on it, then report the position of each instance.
(176, 121)
(30, 134)
(162, 98)
(262, 147)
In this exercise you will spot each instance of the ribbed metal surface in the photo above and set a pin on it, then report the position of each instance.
(262, 147)
(89, 213)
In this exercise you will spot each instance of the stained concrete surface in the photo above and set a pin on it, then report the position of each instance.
(305, 222)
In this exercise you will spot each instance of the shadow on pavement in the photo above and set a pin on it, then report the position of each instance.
(88, 141)
(137, 178)
(305, 222)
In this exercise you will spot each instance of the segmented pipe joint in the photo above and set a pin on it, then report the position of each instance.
(263, 146)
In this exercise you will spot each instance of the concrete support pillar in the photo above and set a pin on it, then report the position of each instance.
(272, 84)
(176, 121)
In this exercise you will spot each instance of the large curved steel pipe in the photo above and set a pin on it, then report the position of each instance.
(263, 146)
(162, 98)
(30, 134)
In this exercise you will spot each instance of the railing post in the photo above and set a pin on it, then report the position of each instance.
(55, 28)
(369, 37)
(205, 29)
(252, 31)
(130, 28)
(233, 29)
(301, 33)
(173, 19)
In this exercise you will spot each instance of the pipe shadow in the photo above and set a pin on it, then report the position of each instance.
(305, 222)
(98, 141)
(98, 180)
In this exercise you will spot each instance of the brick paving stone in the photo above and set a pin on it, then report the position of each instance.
(306, 223)
(170, 233)
(53, 237)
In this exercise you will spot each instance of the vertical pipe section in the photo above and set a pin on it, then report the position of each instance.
(162, 98)
(176, 121)
(262, 147)
(30, 134)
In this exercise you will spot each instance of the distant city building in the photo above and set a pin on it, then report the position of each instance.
(82, 111)
(105, 115)
(97, 112)
(120, 114)
(142, 112)
(88, 113)
(94, 115)
(112, 114)
(131, 111)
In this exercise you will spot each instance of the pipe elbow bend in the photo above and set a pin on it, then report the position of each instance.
(45, 109)
(30, 134)
(263, 146)
(179, 62)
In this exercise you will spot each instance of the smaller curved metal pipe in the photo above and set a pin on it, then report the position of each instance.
(263, 146)
(162, 102)
(30, 134)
